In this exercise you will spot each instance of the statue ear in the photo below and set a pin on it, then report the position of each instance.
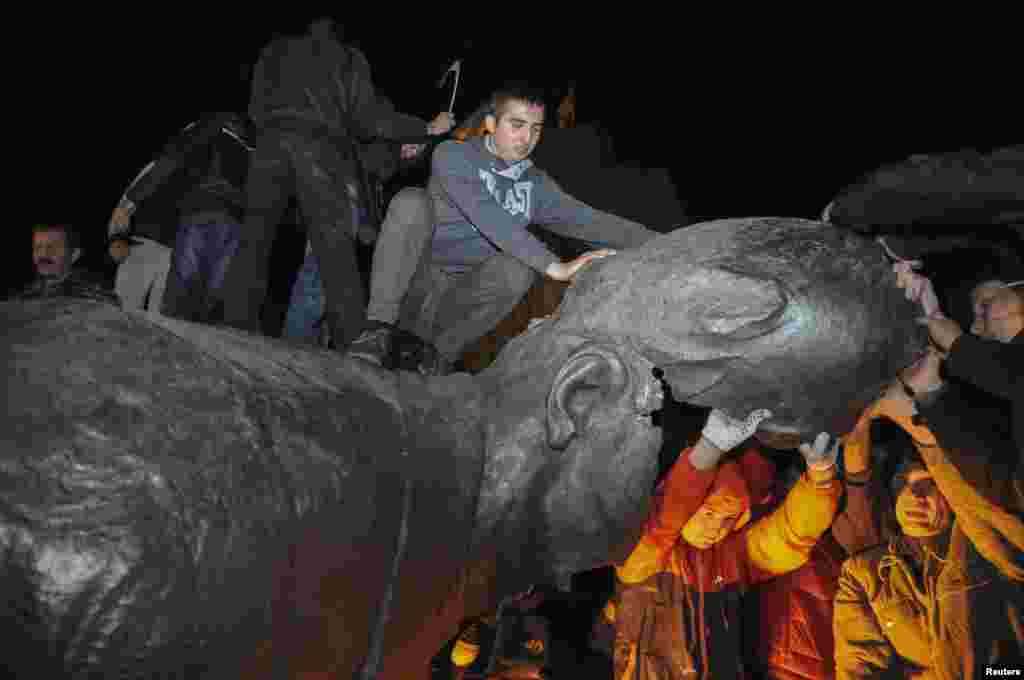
(592, 376)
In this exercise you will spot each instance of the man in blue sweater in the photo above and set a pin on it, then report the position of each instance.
(453, 260)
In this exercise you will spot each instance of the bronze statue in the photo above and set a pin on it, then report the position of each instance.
(179, 500)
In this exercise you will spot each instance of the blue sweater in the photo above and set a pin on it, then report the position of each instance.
(483, 205)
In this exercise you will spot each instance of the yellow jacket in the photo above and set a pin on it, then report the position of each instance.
(679, 609)
(775, 544)
(950, 617)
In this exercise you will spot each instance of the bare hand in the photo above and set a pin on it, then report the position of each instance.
(442, 123)
(565, 271)
(917, 288)
(920, 378)
(411, 150)
(121, 218)
(942, 331)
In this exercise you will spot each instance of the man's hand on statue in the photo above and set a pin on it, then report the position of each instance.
(442, 123)
(942, 331)
(917, 288)
(565, 271)
(121, 218)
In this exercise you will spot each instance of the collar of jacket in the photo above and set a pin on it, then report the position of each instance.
(512, 171)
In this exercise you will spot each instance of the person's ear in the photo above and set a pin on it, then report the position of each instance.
(592, 377)
(490, 123)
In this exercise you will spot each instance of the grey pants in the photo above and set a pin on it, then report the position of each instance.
(448, 309)
(142, 278)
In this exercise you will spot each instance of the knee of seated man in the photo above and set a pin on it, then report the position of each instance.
(516, 277)
(409, 204)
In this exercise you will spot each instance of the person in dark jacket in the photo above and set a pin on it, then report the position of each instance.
(312, 99)
(989, 357)
(304, 318)
(202, 172)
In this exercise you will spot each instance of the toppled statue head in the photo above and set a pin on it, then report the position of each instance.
(796, 316)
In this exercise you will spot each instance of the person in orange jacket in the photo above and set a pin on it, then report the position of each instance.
(788, 619)
(679, 594)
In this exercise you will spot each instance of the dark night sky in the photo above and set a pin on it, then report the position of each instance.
(750, 120)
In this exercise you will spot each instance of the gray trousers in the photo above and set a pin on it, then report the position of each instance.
(142, 278)
(451, 310)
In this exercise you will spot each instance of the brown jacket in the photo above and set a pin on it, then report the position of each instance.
(948, 618)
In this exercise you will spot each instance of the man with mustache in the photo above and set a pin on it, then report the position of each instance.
(55, 250)
(467, 235)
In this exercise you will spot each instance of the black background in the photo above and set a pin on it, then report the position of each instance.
(766, 115)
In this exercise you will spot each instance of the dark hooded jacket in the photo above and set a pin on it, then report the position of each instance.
(993, 366)
(316, 83)
(201, 170)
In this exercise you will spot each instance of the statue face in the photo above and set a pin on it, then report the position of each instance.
(572, 454)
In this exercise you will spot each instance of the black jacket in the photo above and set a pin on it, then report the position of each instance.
(996, 367)
(202, 169)
(979, 417)
(315, 80)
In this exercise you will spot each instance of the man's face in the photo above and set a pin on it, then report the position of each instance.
(712, 522)
(50, 255)
(517, 130)
(921, 510)
(998, 311)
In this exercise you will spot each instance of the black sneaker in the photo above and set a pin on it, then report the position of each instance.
(374, 344)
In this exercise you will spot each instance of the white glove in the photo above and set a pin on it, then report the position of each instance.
(725, 433)
(820, 456)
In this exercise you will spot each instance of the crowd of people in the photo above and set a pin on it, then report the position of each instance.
(892, 551)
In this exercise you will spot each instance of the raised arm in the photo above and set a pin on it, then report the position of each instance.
(858, 525)
(555, 207)
(991, 520)
(782, 541)
(683, 491)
